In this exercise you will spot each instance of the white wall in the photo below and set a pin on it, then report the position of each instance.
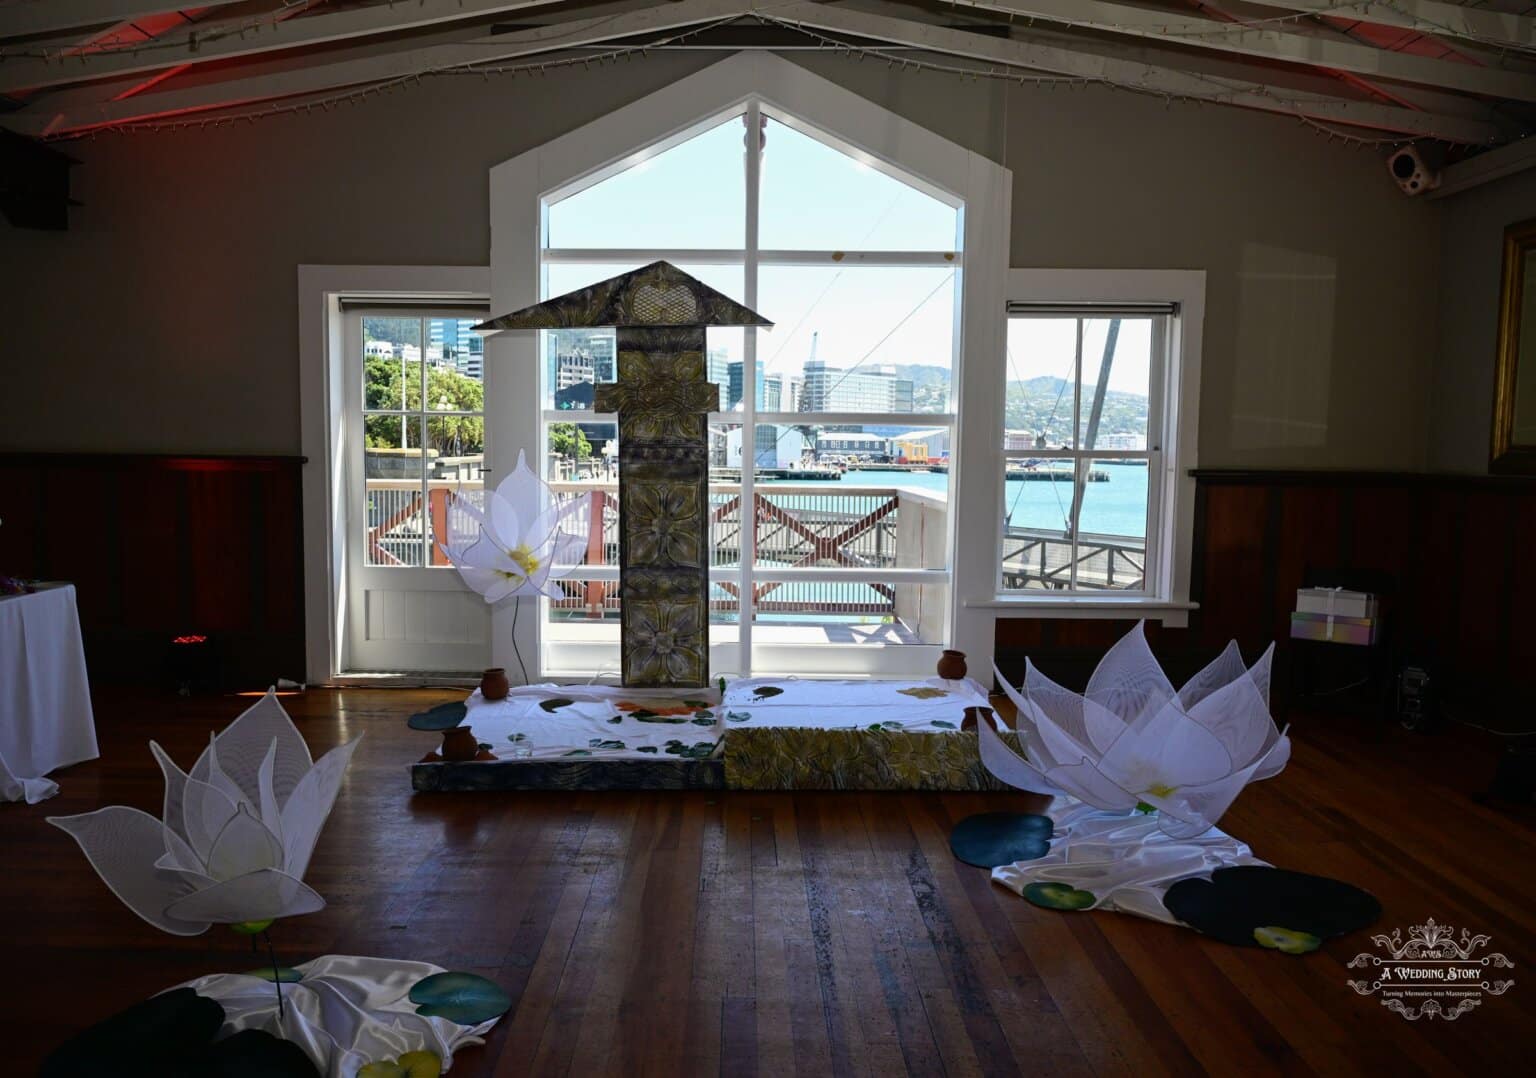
(1471, 257)
(164, 319)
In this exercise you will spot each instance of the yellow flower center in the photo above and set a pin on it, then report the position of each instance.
(522, 555)
(1161, 789)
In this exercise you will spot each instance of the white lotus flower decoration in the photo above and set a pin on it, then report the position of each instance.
(522, 542)
(237, 832)
(1131, 740)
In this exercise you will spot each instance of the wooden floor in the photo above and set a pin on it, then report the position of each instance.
(777, 934)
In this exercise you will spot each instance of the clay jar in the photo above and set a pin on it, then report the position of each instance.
(952, 665)
(459, 744)
(493, 683)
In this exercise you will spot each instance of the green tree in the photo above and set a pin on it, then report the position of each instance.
(448, 390)
(569, 441)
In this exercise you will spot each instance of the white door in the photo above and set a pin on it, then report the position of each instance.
(416, 436)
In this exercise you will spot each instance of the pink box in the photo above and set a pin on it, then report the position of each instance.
(1334, 630)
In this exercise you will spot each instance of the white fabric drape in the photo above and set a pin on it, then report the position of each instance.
(45, 698)
(1126, 861)
(345, 1012)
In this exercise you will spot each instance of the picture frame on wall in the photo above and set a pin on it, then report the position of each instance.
(1514, 396)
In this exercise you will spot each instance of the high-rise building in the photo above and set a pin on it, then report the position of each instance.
(833, 389)
(450, 342)
(718, 371)
(736, 382)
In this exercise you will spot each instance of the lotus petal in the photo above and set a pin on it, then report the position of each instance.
(175, 786)
(244, 846)
(243, 744)
(271, 813)
(257, 896)
(205, 811)
(122, 845)
(306, 811)
(1130, 738)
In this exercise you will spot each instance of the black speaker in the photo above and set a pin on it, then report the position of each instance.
(34, 183)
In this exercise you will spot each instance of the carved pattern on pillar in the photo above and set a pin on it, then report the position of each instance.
(663, 401)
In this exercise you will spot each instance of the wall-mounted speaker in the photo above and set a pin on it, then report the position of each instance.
(34, 183)
(1413, 172)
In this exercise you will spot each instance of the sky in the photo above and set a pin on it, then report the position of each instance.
(813, 197)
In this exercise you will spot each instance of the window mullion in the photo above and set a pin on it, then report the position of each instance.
(748, 503)
(1079, 473)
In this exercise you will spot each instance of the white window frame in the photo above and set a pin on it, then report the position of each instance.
(325, 428)
(1174, 429)
(878, 138)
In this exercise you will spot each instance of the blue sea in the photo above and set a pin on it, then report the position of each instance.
(1116, 507)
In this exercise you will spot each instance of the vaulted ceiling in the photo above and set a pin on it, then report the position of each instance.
(1396, 70)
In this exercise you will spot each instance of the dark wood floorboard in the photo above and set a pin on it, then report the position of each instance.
(683, 933)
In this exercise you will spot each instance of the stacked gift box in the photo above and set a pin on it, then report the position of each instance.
(1335, 615)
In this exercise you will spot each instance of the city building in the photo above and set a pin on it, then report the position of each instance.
(834, 389)
(849, 443)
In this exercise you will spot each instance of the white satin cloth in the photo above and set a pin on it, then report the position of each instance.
(45, 698)
(347, 1012)
(1127, 862)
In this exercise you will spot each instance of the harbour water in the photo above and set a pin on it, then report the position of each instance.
(1115, 507)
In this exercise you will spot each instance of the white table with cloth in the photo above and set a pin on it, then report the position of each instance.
(45, 699)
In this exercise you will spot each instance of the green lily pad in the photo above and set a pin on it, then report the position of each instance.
(766, 692)
(442, 717)
(514, 738)
(942, 725)
(1059, 896)
(698, 703)
(738, 716)
(699, 750)
(1283, 939)
(651, 716)
(888, 724)
(464, 998)
(607, 746)
(646, 748)
(554, 704)
(1236, 904)
(703, 722)
(285, 974)
(578, 752)
(616, 720)
(989, 839)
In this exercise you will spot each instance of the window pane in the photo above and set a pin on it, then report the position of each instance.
(1042, 393)
(819, 199)
(692, 195)
(858, 338)
(455, 366)
(1111, 546)
(576, 359)
(1037, 544)
(388, 343)
(823, 504)
(392, 470)
(1118, 353)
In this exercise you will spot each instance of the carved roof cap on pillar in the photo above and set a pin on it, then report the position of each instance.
(656, 295)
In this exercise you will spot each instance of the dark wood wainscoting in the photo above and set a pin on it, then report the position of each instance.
(1457, 555)
(166, 546)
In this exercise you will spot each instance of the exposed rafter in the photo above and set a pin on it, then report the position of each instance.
(69, 112)
(1149, 77)
(1430, 17)
(218, 41)
(52, 16)
(1275, 42)
(371, 60)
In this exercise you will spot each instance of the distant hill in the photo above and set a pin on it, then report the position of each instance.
(1044, 404)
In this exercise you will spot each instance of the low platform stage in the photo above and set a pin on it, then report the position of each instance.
(763, 734)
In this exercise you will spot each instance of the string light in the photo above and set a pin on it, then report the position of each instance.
(1220, 91)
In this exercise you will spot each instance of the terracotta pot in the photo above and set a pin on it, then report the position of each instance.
(493, 683)
(459, 744)
(952, 665)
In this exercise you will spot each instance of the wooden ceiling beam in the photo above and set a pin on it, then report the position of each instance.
(54, 16)
(1269, 42)
(1148, 77)
(209, 41)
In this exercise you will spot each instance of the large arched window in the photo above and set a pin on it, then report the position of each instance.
(836, 425)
